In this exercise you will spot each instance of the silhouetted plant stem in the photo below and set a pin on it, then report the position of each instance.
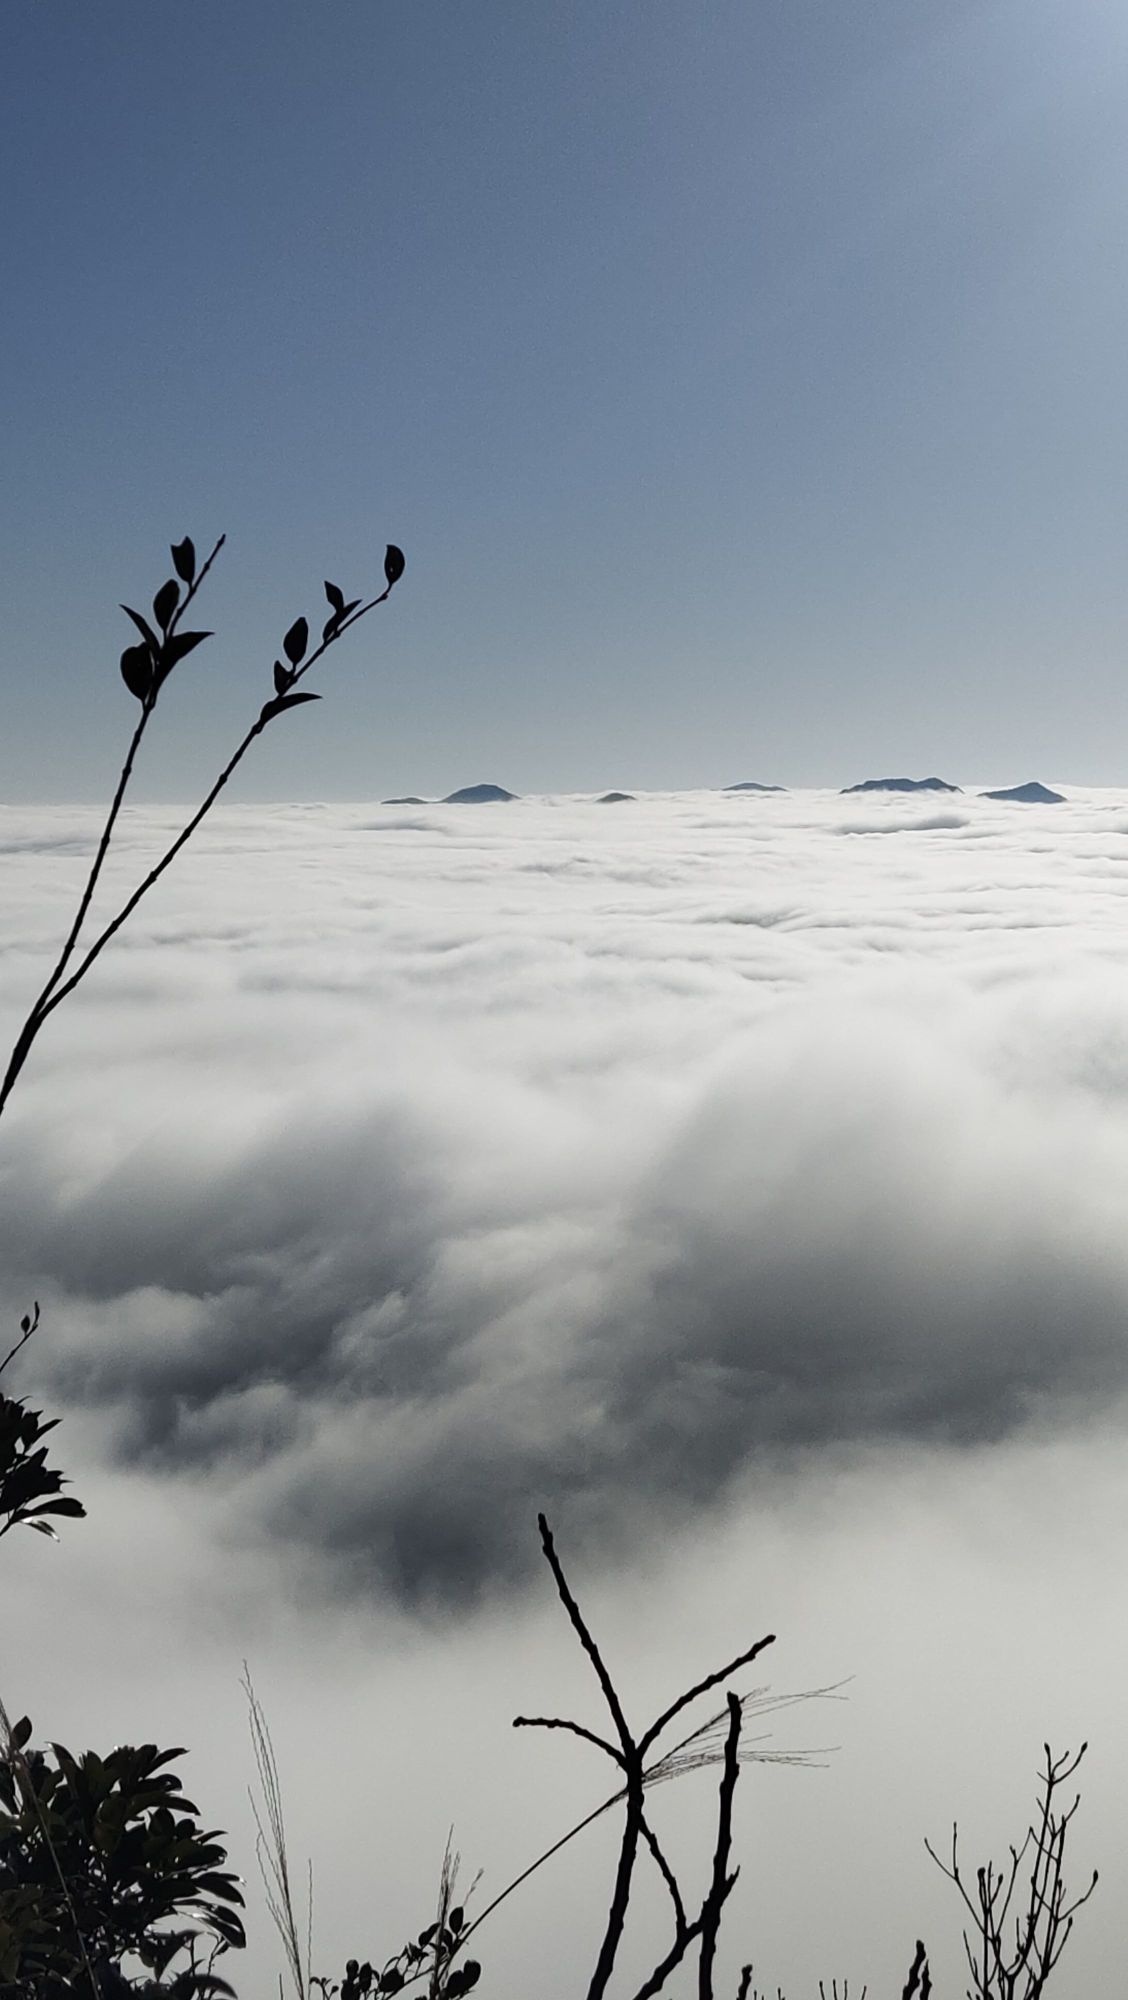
(58, 987)
(706, 1924)
(630, 1756)
(1002, 1970)
(28, 1325)
(621, 1890)
(39, 1009)
(667, 1874)
(722, 1882)
(920, 1978)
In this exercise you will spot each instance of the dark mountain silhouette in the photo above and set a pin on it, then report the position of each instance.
(1032, 794)
(409, 801)
(901, 785)
(750, 785)
(615, 799)
(478, 795)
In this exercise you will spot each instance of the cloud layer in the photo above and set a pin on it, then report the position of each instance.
(402, 1172)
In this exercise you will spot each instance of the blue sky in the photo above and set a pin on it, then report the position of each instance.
(745, 385)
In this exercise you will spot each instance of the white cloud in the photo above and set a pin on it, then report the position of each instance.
(671, 1168)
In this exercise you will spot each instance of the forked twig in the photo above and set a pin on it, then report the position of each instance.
(1019, 1970)
(630, 1755)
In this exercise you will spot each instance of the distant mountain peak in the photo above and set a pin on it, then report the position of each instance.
(901, 785)
(750, 785)
(478, 795)
(410, 800)
(615, 799)
(1032, 794)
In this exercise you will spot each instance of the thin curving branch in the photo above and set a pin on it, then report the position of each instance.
(574, 1728)
(585, 1638)
(668, 1876)
(161, 659)
(703, 1687)
(29, 1324)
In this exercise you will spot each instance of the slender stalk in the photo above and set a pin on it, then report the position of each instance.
(29, 1325)
(154, 875)
(57, 987)
(722, 1882)
(30, 1029)
(621, 1891)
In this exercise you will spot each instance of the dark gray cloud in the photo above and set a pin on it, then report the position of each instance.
(454, 1234)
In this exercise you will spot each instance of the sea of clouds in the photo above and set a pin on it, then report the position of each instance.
(672, 1165)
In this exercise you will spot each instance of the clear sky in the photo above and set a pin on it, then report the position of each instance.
(745, 384)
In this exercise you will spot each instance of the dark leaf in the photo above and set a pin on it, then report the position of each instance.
(336, 597)
(393, 564)
(73, 1509)
(272, 708)
(143, 627)
(283, 677)
(165, 603)
(179, 646)
(296, 641)
(184, 559)
(21, 1733)
(137, 670)
(456, 1919)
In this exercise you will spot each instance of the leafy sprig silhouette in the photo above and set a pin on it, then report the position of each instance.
(145, 668)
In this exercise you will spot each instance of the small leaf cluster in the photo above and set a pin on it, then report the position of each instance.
(102, 1859)
(146, 666)
(428, 1957)
(30, 1489)
(295, 644)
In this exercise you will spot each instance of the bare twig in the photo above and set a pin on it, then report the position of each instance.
(667, 1874)
(702, 1687)
(1002, 1969)
(575, 1728)
(722, 1882)
(694, 1751)
(919, 1979)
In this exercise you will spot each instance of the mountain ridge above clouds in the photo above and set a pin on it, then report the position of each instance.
(1031, 794)
(901, 785)
(480, 795)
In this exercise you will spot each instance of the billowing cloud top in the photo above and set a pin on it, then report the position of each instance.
(403, 1171)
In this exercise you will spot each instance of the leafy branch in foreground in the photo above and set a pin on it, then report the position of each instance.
(145, 667)
(30, 1489)
(102, 1860)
